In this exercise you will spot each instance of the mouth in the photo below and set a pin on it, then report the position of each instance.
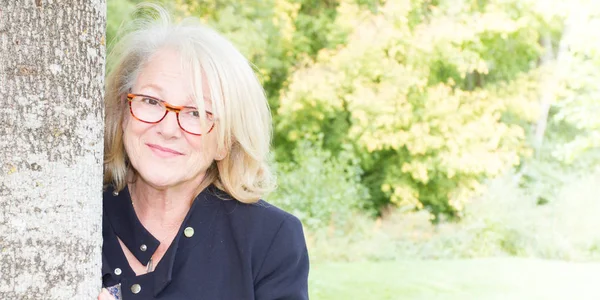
(163, 151)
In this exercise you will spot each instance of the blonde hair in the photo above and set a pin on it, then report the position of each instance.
(244, 127)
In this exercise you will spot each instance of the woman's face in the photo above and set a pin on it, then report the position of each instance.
(163, 154)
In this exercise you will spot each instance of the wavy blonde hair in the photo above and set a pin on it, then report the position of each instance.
(244, 127)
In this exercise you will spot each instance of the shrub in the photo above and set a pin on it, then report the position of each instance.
(506, 221)
(323, 190)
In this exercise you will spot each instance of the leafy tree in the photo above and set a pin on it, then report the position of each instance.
(415, 93)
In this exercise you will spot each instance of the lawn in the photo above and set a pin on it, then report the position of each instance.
(479, 279)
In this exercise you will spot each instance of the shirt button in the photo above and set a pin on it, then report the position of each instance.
(136, 288)
(189, 232)
(117, 271)
(143, 247)
(115, 193)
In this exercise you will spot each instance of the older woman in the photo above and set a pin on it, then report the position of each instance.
(187, 142)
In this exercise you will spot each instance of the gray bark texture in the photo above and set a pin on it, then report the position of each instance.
(51, 144)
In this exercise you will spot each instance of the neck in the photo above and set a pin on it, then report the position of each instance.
(165, 207)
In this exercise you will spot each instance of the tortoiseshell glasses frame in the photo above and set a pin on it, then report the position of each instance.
(151, 110)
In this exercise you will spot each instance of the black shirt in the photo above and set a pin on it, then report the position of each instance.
(232, 251)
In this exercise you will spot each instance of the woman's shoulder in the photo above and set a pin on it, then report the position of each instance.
(260, 215)
(259, 221)
(260, 210)
(275, 243)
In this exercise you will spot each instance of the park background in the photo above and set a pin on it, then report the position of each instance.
(432, 149)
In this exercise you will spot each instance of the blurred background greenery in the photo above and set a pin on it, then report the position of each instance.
(432, 149)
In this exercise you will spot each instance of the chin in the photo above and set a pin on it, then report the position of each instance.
(160, 184)
(158, 178)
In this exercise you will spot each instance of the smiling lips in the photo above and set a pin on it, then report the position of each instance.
(163, 151)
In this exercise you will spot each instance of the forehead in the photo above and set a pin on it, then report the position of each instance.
(164, 75)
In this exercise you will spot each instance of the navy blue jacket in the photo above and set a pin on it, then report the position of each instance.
(237, 251)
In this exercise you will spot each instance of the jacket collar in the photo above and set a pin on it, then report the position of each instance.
(129, 229)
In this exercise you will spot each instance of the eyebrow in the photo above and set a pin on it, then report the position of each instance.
(153, 86)
(160, 90)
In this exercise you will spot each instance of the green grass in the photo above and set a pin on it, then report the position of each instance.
(478, 279)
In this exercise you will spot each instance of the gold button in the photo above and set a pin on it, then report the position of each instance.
(143, 247)
(136, 288)
(118, 271)
(189, 232)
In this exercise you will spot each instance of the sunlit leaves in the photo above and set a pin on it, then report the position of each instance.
(400, 87)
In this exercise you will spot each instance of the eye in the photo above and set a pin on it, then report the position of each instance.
(150, 101)
(193, 113)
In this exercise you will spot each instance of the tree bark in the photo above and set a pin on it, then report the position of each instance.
(552, 80)
(547, 95)
(51, 144)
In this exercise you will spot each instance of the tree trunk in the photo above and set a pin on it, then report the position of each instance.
(51, 144)
(551, 80)
(547, 95)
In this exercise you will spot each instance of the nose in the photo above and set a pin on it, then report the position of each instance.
(169, 127)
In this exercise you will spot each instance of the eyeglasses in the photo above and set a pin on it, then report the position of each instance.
(152, 110)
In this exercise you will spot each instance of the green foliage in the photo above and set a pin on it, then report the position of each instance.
(507, 221)
(117, 11)
(559, 229)
(315, 27)
(569, 82)
(577, 103)
(395, 92)
(323, 190)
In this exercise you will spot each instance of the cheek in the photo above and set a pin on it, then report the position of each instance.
(135, 128)
(125, 121)
(130, 144)
(204, 148)
(132, 136)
